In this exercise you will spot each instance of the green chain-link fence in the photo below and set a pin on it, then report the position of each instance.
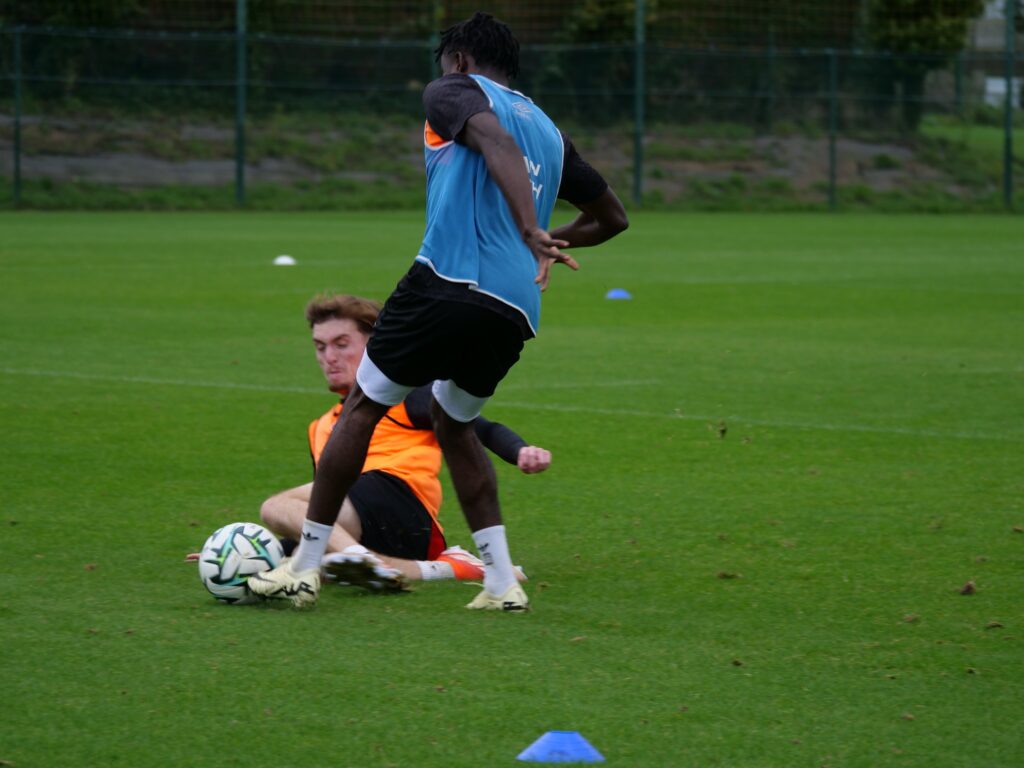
(231, 114)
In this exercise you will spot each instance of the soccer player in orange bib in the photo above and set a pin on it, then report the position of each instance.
(387, 532)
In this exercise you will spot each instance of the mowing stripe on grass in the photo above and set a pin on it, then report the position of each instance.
(555, 407)
(779, 424)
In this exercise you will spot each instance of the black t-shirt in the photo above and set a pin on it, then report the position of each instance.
(451, 100)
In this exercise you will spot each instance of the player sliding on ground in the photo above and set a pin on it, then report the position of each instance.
(459, 318)
(388, 531)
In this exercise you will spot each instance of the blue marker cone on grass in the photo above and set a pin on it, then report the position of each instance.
(618, 293)
(561, 747)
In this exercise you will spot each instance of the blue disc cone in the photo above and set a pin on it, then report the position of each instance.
(561, 747)
(618, 293)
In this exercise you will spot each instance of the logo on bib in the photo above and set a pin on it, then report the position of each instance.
(522, 109)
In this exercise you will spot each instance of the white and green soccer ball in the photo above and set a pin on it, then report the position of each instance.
(234, 553)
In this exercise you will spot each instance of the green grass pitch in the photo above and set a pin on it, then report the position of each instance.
(775, 468)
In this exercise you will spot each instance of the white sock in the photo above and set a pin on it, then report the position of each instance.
(435, 570)
(498, 573)
(311, 547)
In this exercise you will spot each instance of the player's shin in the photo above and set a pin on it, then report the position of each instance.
(312, 546)
(499, 573)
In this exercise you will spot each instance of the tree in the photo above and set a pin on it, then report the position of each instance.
(922, 35)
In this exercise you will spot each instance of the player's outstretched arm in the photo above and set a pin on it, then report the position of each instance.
(503, 442)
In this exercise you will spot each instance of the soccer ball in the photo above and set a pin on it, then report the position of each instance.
(234, 553)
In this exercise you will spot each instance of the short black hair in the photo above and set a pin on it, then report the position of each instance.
(486, 39)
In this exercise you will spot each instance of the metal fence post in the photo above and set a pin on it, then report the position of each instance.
(638, 102)
(436, 19)
(17, 115)
(833, 123)
(958, 84)
(1008, 109)
(240, 92)
(772, 56)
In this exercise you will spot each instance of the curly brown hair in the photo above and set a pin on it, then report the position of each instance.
(329, 306)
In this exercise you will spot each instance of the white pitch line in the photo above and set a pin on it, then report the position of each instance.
(163, 382)
(575, 385)
(555, 407)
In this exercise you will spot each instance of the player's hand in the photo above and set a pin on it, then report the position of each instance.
(546, 250)
(533, 459)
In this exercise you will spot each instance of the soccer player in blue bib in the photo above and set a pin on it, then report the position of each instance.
(495, 165)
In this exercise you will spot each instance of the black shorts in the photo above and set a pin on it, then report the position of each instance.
(422, 338)
(394, 521)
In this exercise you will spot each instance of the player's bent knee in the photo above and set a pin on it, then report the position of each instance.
(270, 515)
